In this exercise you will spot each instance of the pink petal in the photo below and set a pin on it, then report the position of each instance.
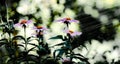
(29, 21)
(74, 21)
(76, 33)
(66, 31)
(61, 20)
(44, 28)
(18, 24)
(34, 28)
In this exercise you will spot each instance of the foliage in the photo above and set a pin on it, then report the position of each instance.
(91, 27)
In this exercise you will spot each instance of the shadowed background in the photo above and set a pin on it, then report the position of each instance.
(99, 23)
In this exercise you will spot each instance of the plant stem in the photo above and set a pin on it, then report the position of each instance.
(40, 36)
(7, 11)
(25, 37)
(70, 46)
(25, 43)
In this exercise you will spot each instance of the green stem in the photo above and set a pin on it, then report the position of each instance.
(40, 36)
(25, 37)
(25, 42)
(10, 39)
(7, 11)
(70, 48)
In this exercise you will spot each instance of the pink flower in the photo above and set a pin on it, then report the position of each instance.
(39, 28)
(23, 22)
(67, 20)
(72, 33)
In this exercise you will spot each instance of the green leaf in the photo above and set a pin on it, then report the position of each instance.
(58, 44)
(79, 55)
(18, 38)
(32, 57)
(31, 49)
(60, 53)
(29, 38)
(32, 44)
(20, 45)
(57, 37)
(3, 42)
(54, 53)
(80, 58)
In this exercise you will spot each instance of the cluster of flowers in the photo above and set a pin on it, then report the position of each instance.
(70, 33)
(41, 29)
(67, 21)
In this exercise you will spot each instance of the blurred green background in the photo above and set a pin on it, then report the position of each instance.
(99, 23)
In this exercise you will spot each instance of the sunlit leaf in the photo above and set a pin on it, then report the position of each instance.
(18, 38)
(60, 53)
(58, 44)
(32, 44)
(20, 45)
(31, 49)
(3, 42)
(29, 38)
(80, 58)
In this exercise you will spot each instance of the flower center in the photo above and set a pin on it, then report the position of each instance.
(39, 27)
(70, 31)
(23, 22)
(68, 18)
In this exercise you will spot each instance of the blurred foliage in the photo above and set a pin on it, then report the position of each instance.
(100, 27)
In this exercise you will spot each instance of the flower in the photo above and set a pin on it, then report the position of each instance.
(23, 23)
(39, 28)
(67, 20)
(72, 33)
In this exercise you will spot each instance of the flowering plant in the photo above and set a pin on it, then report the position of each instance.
(13, 44)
